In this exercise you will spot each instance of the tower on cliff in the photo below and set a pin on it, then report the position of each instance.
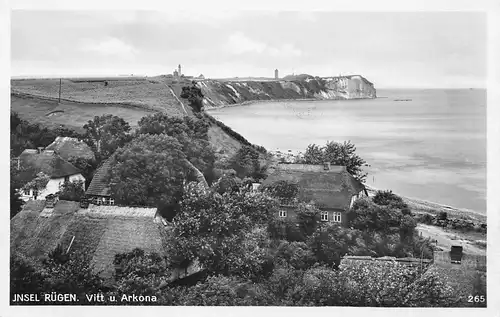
(276, 76)
(180, 70)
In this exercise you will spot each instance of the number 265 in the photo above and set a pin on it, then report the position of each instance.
(476, 299)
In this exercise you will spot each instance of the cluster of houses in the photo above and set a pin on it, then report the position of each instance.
(331, 188)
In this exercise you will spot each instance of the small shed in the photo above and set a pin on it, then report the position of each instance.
(456, 253)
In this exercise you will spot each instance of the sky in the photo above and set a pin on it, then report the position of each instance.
(391, 49)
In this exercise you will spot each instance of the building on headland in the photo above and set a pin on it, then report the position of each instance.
(177, 72)
(276, 76)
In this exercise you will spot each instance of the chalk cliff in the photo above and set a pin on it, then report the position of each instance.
(221, 93)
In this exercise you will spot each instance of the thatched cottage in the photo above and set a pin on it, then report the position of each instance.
(67, 147)
(331, 188)
(49, 163)
(99, 232)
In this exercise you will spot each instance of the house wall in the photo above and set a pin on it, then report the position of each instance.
(291, 213)
(53, 186)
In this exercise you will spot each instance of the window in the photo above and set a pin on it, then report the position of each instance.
(35, 193)
(27, 192)
(111, 201)
(336, 216)
(282, 213)
(66, 179)
(324, 216)
(105, 201)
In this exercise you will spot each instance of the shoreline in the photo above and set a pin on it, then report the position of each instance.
(250, 102)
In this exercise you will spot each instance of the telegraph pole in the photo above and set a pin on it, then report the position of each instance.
(60, 81)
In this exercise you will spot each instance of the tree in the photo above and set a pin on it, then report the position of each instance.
(366, 215)
(330, 243)
(246, 163)
(407, 228)
(388, 198)
(138, 273)
(219, 231)
(24, 277)
(16, 184)
(149, 171)
(38, 184)
(194, 95)
(86, 166)
(192, 134)
(297, 254)
(308, 218)
(73, 191)
(336, 153)
(105, 134)
(16, 203)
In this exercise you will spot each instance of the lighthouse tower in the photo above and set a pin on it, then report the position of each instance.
(180, 70)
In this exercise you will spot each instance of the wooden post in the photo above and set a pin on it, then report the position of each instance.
(60, 82)
(70, 244)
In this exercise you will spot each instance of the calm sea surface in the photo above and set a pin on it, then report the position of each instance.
(432, 148)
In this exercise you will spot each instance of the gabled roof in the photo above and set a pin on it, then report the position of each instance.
(331, 189)
(47, 162)
(67, 147)
(99, 186)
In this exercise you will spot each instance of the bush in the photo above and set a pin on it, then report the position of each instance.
(366, 215)
(426, 218)
(443, 215)
(73, 191)
(297, 254)
(388, 198)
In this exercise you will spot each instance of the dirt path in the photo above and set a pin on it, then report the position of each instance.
(446, 239)
(177, 98)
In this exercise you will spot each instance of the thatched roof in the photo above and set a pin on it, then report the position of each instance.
(330, 188)
(47, 162)
(99, 233)
(67, 147)
(99, 186)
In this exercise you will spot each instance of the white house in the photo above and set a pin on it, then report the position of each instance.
(52, 165)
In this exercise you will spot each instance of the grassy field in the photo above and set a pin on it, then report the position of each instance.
(70, 114)
(148, 93)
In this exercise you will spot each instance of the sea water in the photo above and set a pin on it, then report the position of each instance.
(431, 147)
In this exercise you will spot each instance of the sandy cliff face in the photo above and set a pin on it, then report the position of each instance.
(221, 93)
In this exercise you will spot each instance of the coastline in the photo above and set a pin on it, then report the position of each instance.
(251, 102)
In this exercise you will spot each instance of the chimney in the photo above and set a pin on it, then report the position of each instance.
(326, 166)
(40, 149)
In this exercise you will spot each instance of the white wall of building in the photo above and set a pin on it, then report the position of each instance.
(53, 186)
